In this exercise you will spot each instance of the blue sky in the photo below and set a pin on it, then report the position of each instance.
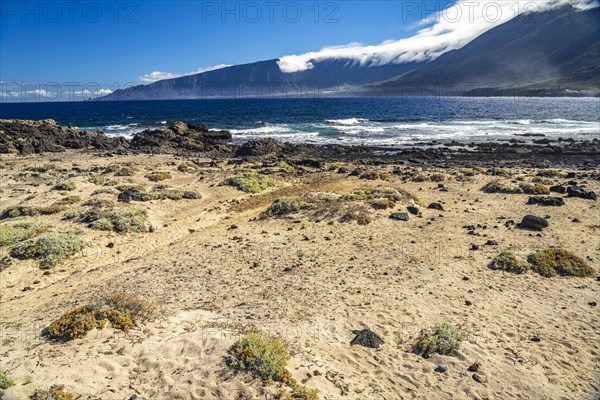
(48, 41)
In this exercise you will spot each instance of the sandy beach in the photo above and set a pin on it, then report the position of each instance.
(218, 267)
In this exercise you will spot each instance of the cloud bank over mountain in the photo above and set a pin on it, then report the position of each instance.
(450, 29)
(155, 76)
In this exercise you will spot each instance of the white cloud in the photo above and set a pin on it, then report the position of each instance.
(159, 75)
(447, 30)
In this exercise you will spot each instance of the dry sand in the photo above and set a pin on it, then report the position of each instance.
(311, 283)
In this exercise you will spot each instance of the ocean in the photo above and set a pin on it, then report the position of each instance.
(359, 121)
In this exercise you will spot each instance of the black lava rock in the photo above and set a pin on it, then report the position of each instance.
(367, 338)
(436, 206)
(413, 210)
(533, 222)
(576, 191)
(546, 201)
(400, 216)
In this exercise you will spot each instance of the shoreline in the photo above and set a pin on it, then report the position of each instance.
(192, 140)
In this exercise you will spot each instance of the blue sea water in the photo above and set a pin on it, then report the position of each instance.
(374, 121)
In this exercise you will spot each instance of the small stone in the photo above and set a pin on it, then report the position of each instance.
(399, 216)
(473, 247)
(111, 245)
(287, 269)
(536, 339)
(534, 222)
(367, 338)
(413, 210)
(475, 367)
(468, 303)
(491, 243)
(576, 220)
(593, 304)
(436, 206)
(441, 368)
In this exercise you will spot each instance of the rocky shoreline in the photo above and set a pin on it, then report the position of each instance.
(193, 140)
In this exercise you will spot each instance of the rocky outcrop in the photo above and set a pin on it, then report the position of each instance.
(27, 137)
(182, 137)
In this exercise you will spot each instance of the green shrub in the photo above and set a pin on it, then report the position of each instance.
(56, 392)
(374, 175)
(542, 180)
(556, 261)
(50, 249)
(250, 182)
(287, 205)
(508, 261)
(262, 356)
(69, 200)
(30, 211)
(536, 188)
(358, 213)
(125, 171)
(550, 173)
(499, 172)
(13, 234)
(103, 191)
(158, 176)
(265, 358)
(437, 177)
(6, 381)
(445, 339)
(100, 180)
(187, 166)
(122, 310)
(523, 187)
(65, 185)
(184, 194)
(126, 220)
(100, 203)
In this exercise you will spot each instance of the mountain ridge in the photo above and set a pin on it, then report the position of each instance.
(550, 53)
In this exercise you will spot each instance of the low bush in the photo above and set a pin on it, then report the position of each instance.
(250, 182)
(13, 234)
(287, 205)
(556, 261)
(65, 185)
(184, 194)
(125, 170)
(550, 173)
(6, 381)
(55, 392)
(100, 203)
(126, 220)
(158, 176)
(508, 261)
(122, 310)
(374, 175)
(265, 358)
(50, 249)
(30, 211)
(444, 339)
(523, 187)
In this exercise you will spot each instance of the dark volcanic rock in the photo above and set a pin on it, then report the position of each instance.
(546, 201)
(367, 338)
(182, 137)
(261, 147)
(558, 189)
(400, 216)
(533, 222)
(27, 137)
(436, 206)
(576, 191)
(413, 210)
